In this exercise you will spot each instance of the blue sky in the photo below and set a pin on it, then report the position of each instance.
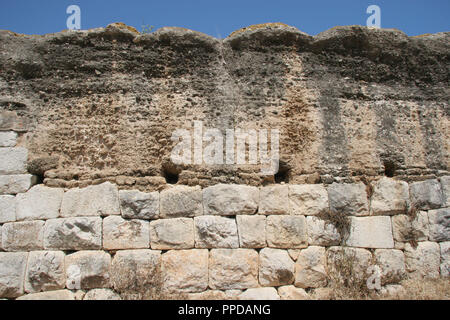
(220, 18)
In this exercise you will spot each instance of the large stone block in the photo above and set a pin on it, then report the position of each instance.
(119, 233)
(23, 236)
(426, 195)
(276, 268)
(50, 295)
(12, 273)
(345, 262)
(14, 184)
(79, 233)
(88, 270)
(7, 209)
(45, 271)
(139, 205)
(371, 232)
(310, 268)
(321, 232)
(308, 199)
(260, 294)
(230, 200)
(177, 233)
(288, 232)
(39, 202)
(445, 186)
(185, 270)
(439, 224)
(97, 200)
(13, 160)
(251, 231)
(445, 258)
(274, 200)
(423, 261)
(392, 265)
(390, 197)
(292, 293)
(102, 295)
(181, 201)
(350, 199)
(8, 138)
(215, 232)
(406, 228)
(233, 269)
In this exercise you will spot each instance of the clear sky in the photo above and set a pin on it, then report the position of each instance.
(220, 18)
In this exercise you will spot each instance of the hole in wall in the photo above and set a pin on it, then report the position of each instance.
(389, 168)
(283, 173)
(170, 176)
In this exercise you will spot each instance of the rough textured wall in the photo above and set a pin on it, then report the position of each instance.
(349, 102)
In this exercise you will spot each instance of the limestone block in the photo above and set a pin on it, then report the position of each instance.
(96, 200)
(445, 186)
(177, 233)
(406, 228)
(310, 268)
(23, 236)
(321, 232)
(39, 202)
(12, 273)
(8, 139)
(88, 270)
(371, 232)
(79, 233)
(390, 197)
(392, 265)
(274, 200)
(340, 259)
(50, 295)
(215, 232)
(426, 194)
(101, 294)
(260, 294)
(185, 270)
(350, 199)
(439, 224)
(7, 209)
(251, 231)
(276, 268)
(215, 295)
(230, 200)
(423, 261)
(181, 201)
(445, 258)
(119, 233)
(13, 160)
(292, 293)
(308, 199)
(45, 271)
(14, 184)
(233, 269)
(139, 205)
(288, 232)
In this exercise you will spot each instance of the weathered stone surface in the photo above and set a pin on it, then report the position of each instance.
(101, 294)
(310, 268)
(445, 258)
(88, 270)
(292, 293)
(181, 201)
(23, 236)
(79, 233)
(308, 199)
(357, 259)
(423, 261)
(406, 228)
(426, 195)
(215, 295)
(371, 232)
(50, 295)
(445, 186)
(12, 273)
(7, 209)
(389, 197)
(260, 294)
(274, 200)
(321, 233)
(8, 138)
(96, 200)
(276, 268)
(439, 224)
(233, 269)
(13, 160)
(215, 232)
(139, 205)
(286, 232)
(350, 199)
(177, 233)
(119, 233)
(251, 231)
(322, 294)
(230, 200)
(392, 265)
(136, 272)
(45, 271)
(185, 270)
(14, 184)
(40, 165)
(39, 202)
